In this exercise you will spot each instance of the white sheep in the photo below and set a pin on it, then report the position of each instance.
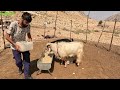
(67, 49)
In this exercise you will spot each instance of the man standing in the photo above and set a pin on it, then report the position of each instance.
(17, 32)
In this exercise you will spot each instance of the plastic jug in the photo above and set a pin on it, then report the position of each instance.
(25, 45)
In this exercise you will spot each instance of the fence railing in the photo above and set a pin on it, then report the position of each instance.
(71, 26)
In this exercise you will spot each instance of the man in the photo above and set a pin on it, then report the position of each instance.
(17, 32)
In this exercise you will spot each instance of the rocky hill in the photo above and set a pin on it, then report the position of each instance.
(64, 18)
(113, 17)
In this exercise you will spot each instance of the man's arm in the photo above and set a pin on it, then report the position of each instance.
(7, 36)
(29, 37)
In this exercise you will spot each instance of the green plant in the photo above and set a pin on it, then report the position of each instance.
(7, 13)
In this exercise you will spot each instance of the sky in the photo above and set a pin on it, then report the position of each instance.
(101, 15)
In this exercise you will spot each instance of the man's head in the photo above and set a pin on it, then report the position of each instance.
(26, 19)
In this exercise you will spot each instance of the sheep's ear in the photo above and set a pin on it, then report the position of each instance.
(56, 42)
(48, 44)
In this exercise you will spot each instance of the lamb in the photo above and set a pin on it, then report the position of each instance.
(63, 50)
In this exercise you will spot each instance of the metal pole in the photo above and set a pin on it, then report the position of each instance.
(101, 34)
(112, 34)
(87, 25)
(70, 29)
(55, 23)
(3, 30)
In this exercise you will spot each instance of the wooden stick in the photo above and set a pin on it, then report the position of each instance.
(101, 34)
(3, 30)
(87, 25)
(45, 24)
(112, 35)
(55, 23)
(70, 29)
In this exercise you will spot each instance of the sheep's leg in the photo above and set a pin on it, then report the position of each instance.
(79, 58)
(65, 64)
(62, 61)
(78, 61)
(68, 62)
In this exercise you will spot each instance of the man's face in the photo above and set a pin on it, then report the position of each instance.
(25, 23)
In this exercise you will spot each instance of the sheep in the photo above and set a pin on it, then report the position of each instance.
(63, 50)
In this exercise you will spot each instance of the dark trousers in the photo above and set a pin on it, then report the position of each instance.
(25, 61)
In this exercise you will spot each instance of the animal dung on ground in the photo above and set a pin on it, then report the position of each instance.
(55, 77)
(73, 73)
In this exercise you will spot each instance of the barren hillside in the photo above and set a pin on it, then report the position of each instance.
(113, 17)
(63, 25)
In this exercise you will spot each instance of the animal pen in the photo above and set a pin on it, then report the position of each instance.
(87, 28)
(45, 23)
(97, 57)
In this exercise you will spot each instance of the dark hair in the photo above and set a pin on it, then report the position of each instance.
(27, 16)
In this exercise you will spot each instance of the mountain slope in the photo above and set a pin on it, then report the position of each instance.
(113, 17)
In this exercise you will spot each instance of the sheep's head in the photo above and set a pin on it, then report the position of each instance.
(48, 49)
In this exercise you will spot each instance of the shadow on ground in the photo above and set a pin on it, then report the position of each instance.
(33, 67)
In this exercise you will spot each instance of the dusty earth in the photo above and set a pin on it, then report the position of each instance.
(97, 62)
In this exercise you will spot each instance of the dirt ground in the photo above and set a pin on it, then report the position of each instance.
(97, 63)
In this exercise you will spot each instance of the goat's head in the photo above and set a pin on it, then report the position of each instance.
(48, 49)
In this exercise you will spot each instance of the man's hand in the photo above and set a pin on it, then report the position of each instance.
(17, 47)
(29, 39)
